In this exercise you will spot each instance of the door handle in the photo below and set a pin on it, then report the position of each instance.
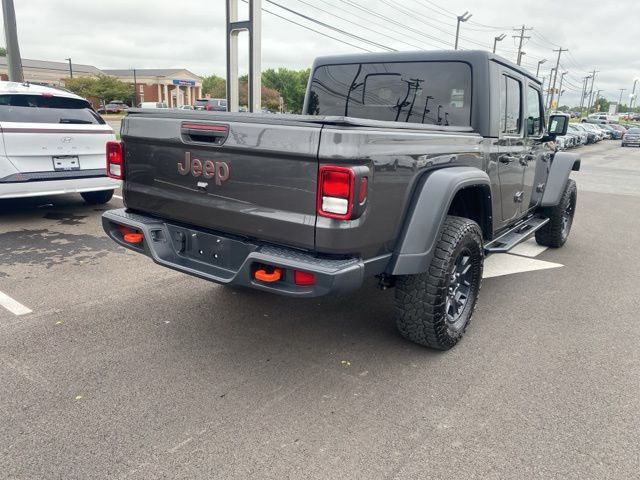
(525, 159)
(506, 159)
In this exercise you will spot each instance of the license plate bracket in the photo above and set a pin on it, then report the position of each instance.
(66, 163)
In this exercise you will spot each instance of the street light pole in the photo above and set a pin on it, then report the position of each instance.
(538, 69)
(135, 89)
(498, 39)
(70, 67)
(461, 18)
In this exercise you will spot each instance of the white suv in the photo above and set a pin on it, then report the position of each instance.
(52, 142)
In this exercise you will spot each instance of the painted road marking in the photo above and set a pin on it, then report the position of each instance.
(12, 305)
(117, 196)
(501, 264)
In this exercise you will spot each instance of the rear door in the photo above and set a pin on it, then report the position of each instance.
(249, 175)
(533, 159)
(45, 133)
(511, 146)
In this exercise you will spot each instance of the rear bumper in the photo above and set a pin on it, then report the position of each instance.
(233, 261)
(56, 187)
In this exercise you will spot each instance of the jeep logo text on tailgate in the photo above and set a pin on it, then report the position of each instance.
(207, 169)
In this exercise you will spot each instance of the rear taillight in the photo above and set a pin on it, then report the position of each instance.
(335, 192)
(115, 167)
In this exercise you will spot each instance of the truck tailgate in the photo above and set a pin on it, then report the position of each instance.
(254, 178)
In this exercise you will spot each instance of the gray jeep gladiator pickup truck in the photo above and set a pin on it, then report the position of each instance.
(410, 167)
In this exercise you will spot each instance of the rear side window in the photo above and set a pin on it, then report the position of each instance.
(435, 93)
(46, 109)
(510, 106)
(534, 112)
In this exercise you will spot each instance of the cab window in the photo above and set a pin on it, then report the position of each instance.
(510, 106)
(534, 112)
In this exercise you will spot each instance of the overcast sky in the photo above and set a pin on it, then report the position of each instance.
(190, 33)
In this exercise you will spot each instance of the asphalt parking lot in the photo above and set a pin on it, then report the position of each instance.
(118, 368)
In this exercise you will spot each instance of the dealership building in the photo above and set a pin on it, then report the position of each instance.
(174, 86)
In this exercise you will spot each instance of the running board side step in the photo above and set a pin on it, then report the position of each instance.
(515, 236)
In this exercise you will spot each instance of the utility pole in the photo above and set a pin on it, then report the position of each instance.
(622, 90)
(593, 78)
(497, 39)
(461, 18)
(14, 61)
(560, 87)
(538, 69)
(555, 76)
(522, 38)
(520, 55)
(584, 93)
(70, 67)
(546, 100)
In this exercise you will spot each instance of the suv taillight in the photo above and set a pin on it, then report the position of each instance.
(335, 192)
(115, 167)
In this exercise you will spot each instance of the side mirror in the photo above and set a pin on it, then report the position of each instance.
(558, 125)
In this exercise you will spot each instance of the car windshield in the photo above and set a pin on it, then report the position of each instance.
(436, 93)
(634, 130)
(46, 109)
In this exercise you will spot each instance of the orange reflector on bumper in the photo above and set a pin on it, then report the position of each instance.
(133, 237)
(264, 276)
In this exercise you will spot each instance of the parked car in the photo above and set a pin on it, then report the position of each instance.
(211, 104)
(619, 128)
(115, 106)
(52, 142)
(186, 107)
(581, 137)
(631, 137)
(592, 127)
(591, 136)
(304, 206)
(616, 134)
(153, 105)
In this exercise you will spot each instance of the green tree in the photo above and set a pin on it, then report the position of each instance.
(292, 85)
(83, 86)
(3, 52)
(102, 88)
(214, 86)
(601, 105)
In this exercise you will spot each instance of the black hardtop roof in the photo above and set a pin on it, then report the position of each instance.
(470, 56)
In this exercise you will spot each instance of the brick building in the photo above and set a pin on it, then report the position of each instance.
(174, 86)
(177, 86)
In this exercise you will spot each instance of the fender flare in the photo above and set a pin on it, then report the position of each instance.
(424, 219)
(559, 171)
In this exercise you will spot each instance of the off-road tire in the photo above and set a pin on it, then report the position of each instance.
(97, 198)
(421, 301)
(555, 233)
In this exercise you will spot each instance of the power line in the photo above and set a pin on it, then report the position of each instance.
(358, 24)
(379, 24)
(331, 27)
(394, 22)
(311, 29)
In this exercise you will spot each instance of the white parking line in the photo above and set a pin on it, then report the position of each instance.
(117, 196)
(501, 264)
(12, 305)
